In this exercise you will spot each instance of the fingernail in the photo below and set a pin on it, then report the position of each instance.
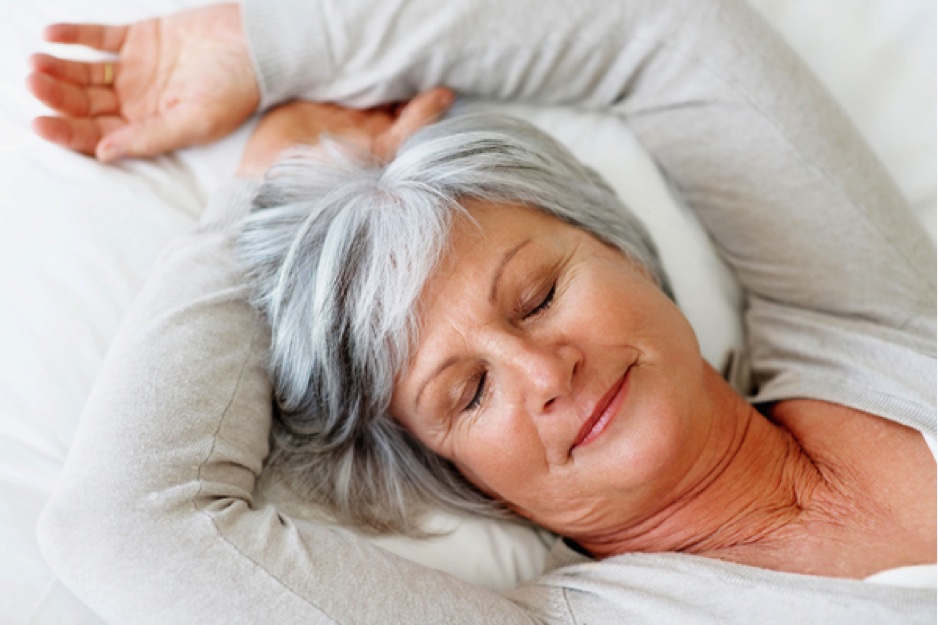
(445, 98)
(108, 152)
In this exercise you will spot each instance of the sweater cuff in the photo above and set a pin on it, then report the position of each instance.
(289, 47)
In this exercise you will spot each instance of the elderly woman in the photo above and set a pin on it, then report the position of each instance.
(471, 318)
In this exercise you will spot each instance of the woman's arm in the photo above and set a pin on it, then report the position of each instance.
(839, 280)
(153, 520)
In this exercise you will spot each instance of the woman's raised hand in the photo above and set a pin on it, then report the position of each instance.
(379, 130)
(178, 80)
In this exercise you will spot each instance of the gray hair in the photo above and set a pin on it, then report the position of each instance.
(337, 251)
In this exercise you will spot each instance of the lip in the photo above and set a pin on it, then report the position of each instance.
(606, 408)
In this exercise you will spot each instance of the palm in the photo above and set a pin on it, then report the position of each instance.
(176, 63)
(180, 80)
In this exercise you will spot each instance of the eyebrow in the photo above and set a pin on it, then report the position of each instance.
(497, 276)
(493, 299)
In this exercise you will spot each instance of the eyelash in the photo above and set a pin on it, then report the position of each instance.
(476, 400)
(545, 304)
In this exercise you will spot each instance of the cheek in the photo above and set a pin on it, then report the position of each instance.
(610, 319)
(653, 320)
(667, 428)
(660, 432)
(501, 455)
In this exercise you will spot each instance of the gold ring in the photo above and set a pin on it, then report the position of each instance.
(108, 73)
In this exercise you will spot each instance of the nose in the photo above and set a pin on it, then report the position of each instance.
(544, 374)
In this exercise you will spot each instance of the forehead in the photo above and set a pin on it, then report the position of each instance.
(478, 243)
(488, 228)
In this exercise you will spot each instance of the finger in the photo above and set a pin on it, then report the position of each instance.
(70, 99)
(78, 135)
(76, 72)
(97, 36)
(424, 109)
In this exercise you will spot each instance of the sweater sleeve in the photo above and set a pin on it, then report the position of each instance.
(838, 275)
(154, 521)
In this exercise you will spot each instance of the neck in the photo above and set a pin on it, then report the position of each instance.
(751, 485)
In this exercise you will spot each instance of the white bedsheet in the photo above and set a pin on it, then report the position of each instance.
(78, 238)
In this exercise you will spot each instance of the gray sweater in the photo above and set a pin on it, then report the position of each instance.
(154, 518)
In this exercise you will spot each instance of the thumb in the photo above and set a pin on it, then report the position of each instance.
(424, 109)
(146, 138)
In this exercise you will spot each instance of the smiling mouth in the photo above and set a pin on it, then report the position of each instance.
(605, 410)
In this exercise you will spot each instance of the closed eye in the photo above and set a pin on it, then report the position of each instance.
(545, 303)
(476, 400)
(482, 376)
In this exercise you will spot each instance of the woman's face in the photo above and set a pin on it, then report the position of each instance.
(554, 373)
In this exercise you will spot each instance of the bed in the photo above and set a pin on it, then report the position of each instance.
(79, 238)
